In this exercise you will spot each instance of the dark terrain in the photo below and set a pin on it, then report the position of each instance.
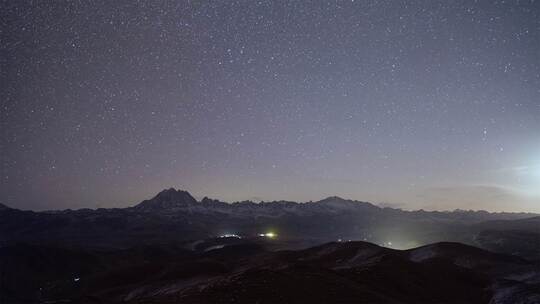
(168, 250)
(244, 271)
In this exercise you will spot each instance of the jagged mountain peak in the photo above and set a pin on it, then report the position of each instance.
(167, 199)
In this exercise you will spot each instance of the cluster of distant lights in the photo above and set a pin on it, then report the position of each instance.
(230, 236)
(385, 244)
(270, 235)
(273, 235)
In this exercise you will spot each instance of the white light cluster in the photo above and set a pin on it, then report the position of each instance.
(230, 236)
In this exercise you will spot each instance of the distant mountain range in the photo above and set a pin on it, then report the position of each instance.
(172, 248)
(174, 215)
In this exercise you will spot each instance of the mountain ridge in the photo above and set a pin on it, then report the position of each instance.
(185, 198)
(176, 215)
(171, 198)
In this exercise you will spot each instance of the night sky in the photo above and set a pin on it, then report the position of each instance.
(410, 104)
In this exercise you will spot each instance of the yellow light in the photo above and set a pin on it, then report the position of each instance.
(270, 235)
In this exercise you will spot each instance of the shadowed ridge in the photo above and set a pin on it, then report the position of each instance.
(450, 249)
(466, 256)
(343, 254)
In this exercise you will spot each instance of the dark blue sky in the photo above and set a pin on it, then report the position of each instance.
(415, 104)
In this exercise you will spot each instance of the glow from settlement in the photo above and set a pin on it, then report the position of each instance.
(270, 235)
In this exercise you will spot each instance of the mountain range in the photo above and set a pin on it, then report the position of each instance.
(175, 215)
(173, 248)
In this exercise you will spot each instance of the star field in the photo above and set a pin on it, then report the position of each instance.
(414, 104)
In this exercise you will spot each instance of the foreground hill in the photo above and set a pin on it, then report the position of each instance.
(232, 270)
